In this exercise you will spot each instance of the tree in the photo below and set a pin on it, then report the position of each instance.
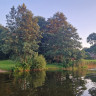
(56, 22)
(92, 50)
(92, 38)
(59, 39)
(24, 34)
(3, 32)
(42, 23)
(3, 35)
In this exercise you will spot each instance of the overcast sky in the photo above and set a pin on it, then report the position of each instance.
(80, 13)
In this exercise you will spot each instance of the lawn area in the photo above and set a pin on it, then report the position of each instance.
(6, 64)
(90, 61)
(9, 64)
(53, 66)
(90, 64)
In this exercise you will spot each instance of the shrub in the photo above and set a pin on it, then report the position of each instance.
(18, 69)
(67, 63)
(21, 67)
(39, 62)
(36, 62)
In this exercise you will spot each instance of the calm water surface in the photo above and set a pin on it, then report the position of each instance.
(49, 83)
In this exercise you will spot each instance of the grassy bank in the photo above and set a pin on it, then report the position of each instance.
(83, 64)
(90, 61)
(53, 66)
(87, 63)
(6, 65)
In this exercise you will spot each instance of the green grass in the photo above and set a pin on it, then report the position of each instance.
(6, 65)
(89, 64)
(9, 64)
(90, 61)
(53, 66)
(85, 64)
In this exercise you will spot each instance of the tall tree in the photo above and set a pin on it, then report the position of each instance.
(60, 39)
(56, 22)
(24, 33)
(3, 35)
(42, 23)
(4, 53)
(92, 38)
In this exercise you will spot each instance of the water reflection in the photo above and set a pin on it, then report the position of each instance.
(64, 84)
(92, 91)
(50, 83)
(30, 80)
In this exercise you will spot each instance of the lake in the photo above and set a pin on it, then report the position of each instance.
(49, 83)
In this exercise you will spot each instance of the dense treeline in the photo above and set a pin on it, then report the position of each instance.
(25, 37)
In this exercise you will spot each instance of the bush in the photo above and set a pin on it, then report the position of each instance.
(18, 69)
(36, 62)
(39, 62)
(21, 67)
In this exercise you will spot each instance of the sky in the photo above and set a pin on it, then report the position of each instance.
(80, 13)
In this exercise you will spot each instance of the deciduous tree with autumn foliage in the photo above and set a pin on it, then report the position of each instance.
(60, 39)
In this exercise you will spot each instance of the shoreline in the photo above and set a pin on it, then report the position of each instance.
(3, 71)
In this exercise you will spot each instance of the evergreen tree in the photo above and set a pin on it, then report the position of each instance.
(24, 34)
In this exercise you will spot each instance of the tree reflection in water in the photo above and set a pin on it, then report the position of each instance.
(63, 84)
(92, 91)
(30, 80)
(50, 83)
